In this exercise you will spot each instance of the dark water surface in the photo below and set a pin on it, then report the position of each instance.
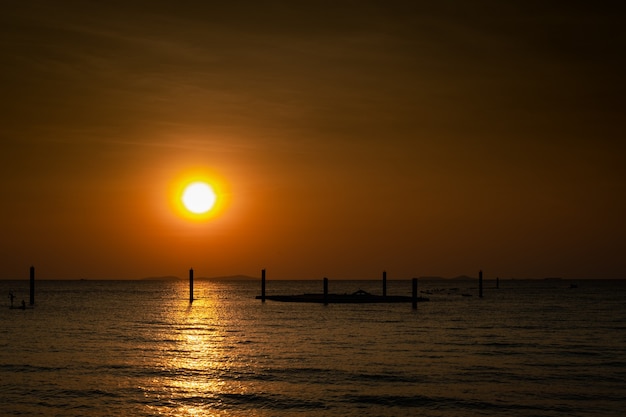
(138, 348)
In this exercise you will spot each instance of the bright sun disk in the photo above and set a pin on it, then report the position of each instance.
(198, 197)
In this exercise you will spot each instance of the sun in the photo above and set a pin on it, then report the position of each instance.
(198, 197)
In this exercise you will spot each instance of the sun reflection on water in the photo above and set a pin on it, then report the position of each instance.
(191, 367)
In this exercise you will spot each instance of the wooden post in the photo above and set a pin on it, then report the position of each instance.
(414, 293)
(32, 285)
(384, 283)
(480, 283)
(497, 283)
(262, 285)
(191, 285)
(325, 291)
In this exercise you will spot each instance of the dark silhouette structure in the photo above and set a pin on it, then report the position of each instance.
(191, 285)
(357, 297)
(480, 283)
(263, 285)
(384, 283)
(32, 285)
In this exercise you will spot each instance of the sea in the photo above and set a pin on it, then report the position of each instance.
(140, 348)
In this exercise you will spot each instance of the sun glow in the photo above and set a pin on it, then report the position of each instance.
(198, 196)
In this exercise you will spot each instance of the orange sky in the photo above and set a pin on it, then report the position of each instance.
(350, 137)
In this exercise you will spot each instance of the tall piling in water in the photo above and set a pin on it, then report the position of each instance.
(263, 285)
(325, 291)
(32, 285)
(414, 294)
(480, 283)
(384, 283)
(191, 285)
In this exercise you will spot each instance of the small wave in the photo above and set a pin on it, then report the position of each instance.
(395, 400)
(24, 368)
(276, 402)
(439, 403)
(395, 378)
(245, 401)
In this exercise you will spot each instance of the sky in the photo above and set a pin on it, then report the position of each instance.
(344, 138)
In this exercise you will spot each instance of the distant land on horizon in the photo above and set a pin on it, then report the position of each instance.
(220, 278)
(242, 277)
(250, 278)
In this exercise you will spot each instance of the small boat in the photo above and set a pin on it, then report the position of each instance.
(357, 297)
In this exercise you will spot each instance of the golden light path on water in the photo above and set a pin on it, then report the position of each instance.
(193, 356)
(194, 366)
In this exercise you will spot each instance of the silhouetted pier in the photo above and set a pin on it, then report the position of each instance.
(191, 285)
(357, 297)
(384, 283)
(32, 285)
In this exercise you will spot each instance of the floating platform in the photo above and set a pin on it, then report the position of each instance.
(358, 297)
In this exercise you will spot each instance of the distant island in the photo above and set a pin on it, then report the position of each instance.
(164, 278)
(432, 278)
(220, 278)
(249, 278)
(232, 278)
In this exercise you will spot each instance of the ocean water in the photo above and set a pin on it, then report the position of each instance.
(138, 348)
